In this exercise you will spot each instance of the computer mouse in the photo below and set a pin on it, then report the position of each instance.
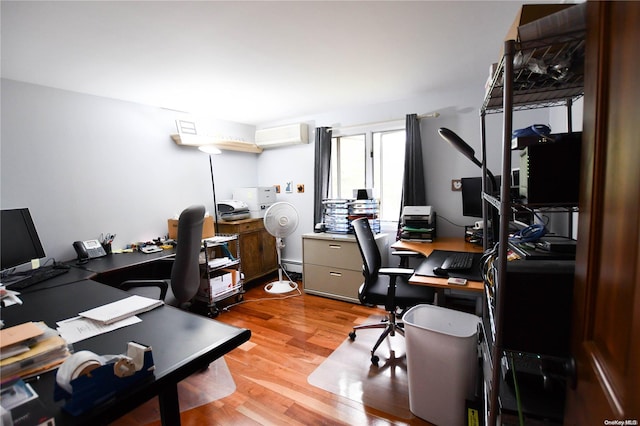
(441, 272)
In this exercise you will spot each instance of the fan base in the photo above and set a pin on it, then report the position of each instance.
(279, 287)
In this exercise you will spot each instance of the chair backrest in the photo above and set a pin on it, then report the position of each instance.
(185, 273)
(371, 259)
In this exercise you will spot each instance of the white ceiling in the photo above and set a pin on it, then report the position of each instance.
(253, 61)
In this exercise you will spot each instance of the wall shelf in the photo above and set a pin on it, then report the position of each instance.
(229, 145)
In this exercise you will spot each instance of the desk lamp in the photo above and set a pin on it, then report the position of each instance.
(464, 148)
(212, 150)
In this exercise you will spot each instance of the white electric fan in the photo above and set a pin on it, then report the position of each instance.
(280, 220)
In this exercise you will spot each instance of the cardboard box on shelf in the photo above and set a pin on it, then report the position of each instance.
(207, 228)
(572, 19)
(529, 13)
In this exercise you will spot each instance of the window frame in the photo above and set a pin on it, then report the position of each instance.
(368, 130)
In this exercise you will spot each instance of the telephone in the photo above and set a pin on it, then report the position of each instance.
(88, 250)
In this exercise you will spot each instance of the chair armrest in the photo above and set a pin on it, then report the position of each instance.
(161, 284)
(406, 272)
(406, 253)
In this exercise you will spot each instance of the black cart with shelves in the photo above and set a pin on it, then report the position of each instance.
(518, 84)
(220, 272)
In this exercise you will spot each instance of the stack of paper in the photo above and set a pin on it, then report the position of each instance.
(220, 239)
(29, 349)
(8, 297)
(106, 318)
(121, 309)
(218, 261)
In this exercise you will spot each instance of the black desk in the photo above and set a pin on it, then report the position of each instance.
(115, 268)
(182, 344)
(73, 275)
(112, 269)
(122, 261)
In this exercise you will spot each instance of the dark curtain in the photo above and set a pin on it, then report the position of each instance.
(322, 175)
(413, 186)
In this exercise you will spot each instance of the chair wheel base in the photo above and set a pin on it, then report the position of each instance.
(375, 359)
(352, 335)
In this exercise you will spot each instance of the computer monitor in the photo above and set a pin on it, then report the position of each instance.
(472, 195)
(19, 239)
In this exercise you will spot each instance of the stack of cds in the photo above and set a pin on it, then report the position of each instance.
(339, 213)
(336, 215)
(366, 208)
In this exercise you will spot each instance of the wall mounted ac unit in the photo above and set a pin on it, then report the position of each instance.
(291, 134)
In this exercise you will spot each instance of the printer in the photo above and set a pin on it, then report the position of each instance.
(233, 210)
(418, 216)
(259, 199)
(418, 223)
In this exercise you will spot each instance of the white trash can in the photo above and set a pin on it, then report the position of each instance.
(442, 362)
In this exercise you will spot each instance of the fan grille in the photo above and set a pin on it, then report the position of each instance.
(281, 219)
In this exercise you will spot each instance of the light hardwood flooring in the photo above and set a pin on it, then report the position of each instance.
(290, 338)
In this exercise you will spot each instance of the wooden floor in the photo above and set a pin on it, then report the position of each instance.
(290, 338)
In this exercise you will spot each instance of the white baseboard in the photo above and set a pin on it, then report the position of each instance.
(292, 265)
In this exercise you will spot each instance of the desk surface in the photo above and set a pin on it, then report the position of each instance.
(72, 275)
(101, 267)
(182, 343)
(120, 261)
(453, 244)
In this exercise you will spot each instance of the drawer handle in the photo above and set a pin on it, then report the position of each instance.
(335, 246)
(335, 274)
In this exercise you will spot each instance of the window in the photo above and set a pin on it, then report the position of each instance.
(348, 165)
(370, 159)
(388, 167)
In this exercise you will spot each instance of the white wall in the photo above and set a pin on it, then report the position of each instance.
(86, 165)
(459, 111)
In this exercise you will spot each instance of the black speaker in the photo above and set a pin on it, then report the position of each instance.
(538, 296)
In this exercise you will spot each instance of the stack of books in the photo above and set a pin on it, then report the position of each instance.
(29, 349)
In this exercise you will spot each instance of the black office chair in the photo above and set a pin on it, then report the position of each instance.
(385, 286)
(184, 283)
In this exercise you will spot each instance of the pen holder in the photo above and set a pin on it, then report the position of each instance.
(107, 247)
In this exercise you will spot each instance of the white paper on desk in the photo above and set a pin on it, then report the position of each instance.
(10, 297)
(121, 309)
(79, 328)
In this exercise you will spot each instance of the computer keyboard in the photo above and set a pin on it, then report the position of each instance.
(458, 261)
(36, 276)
